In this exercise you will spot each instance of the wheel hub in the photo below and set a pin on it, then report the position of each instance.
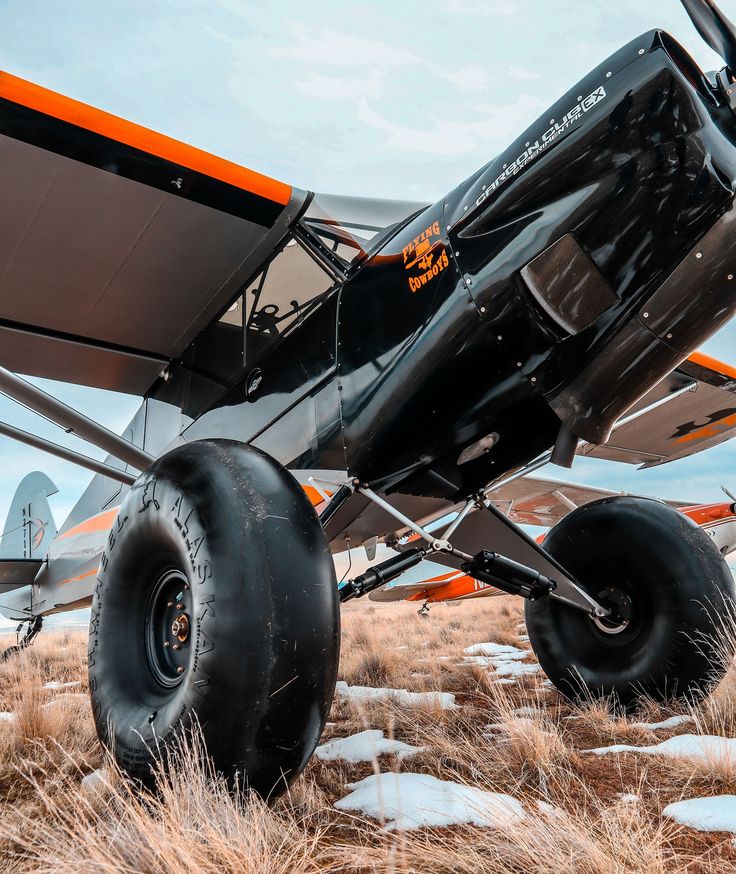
(168, 628)
(180, 628)
(620, 606)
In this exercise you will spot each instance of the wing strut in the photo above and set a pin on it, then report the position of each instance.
(72, 420)
(67, 454)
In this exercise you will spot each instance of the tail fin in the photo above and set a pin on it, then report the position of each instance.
(30, 525)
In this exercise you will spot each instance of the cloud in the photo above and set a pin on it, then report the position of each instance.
(522, 73)
(339, 88)
(491, 128)
(332, 47)
(470, 78)
(486, 8)
(370, 62)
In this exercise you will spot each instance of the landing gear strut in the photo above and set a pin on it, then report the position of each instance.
(35, 624)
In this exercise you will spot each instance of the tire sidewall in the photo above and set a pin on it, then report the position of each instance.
(240, 528)
(675, 576)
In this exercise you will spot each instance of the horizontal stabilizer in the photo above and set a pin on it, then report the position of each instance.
(17, 572)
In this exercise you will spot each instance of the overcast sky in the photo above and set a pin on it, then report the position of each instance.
(382, 99)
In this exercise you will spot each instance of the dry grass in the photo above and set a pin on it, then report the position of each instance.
(522, 739)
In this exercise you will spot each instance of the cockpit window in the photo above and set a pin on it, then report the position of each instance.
(286, 289)
(353, 226)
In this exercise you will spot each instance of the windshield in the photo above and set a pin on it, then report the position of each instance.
(353, 226)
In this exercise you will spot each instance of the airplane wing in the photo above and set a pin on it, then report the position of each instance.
(533, 500)
(118, 244)
(693, 409)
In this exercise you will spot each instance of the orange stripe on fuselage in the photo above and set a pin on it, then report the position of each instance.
(80, 577)
(103, 521)
(705, 513)
(100, 522)
(314, 496)
(130, 134)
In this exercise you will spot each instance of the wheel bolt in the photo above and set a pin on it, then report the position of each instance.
(179, 606)
(166, 643)
(170, 604)
(177, 646)
(180, 670)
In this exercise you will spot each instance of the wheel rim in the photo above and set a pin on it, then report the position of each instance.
(168, 628)
(629, 616)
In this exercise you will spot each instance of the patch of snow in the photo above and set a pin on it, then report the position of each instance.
(504, 681)
(548, 809)
(481, 661)
(515, 722)
(629, 797)
(6, 716)
(365, 746)
(407, 801)
(524, 637)
(96, 781)
(672, 722)
(714, 814)
(516, 669)
(55, 684)
(707, 747)
(527, 711)
(496, 649)
(363, 694)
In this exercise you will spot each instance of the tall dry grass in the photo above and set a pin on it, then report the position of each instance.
(522, 739)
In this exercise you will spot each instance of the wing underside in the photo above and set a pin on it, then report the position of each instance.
(117, 244)
(693, 409)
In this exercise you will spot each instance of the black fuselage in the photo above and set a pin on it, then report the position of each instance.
(555, 286)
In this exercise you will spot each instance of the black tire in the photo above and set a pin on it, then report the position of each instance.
(656, 565)
(231, 531)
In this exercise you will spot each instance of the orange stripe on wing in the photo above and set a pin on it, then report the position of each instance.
(712, 364)
(97, 121)
(100, 522)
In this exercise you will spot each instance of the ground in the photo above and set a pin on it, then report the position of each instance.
(554, 807)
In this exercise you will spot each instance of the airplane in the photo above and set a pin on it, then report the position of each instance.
(322, 373)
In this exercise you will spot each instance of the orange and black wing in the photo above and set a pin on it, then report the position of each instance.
(118, 244)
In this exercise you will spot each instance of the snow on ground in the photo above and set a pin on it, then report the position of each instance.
(714, 814)
(516, 669)
(364, 694)
(6, 716)
(95, 782)
(365, 746)
(506, 661)
(407, 801)
(55, 684)
(496, 649)
(672, 722)
(528, 711)
(707, 747)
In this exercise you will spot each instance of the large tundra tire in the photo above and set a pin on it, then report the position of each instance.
(668, 584)
(216, 605)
